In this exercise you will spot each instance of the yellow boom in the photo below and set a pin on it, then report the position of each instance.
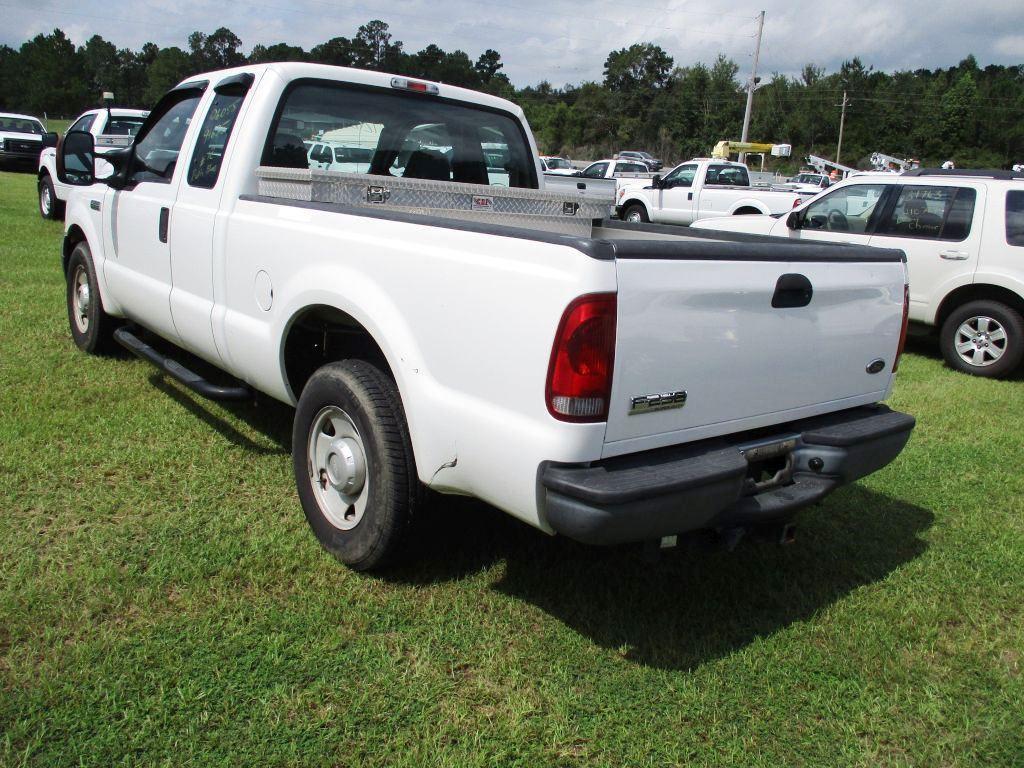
(723, 149)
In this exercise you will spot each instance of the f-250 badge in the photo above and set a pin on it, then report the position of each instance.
(657, 401)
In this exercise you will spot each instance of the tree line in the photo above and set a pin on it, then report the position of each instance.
(966, 113)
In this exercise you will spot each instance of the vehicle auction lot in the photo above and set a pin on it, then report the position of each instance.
(162, 601)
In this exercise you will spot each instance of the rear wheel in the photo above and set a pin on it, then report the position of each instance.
(635, 214)
(49, 206)
(91, 327)
(983, 338)
(353, 463)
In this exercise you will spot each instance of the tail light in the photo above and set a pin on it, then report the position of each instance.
(903, 329)
(580, 373)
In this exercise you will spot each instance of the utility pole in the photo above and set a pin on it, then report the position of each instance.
(752, 84)
(842, 119)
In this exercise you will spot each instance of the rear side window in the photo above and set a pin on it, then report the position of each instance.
(1015, 217)
(727, 175)
(208, 155)
(931, 213)
(402, 134)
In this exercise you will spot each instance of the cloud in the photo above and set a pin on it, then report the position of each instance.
(567, 41)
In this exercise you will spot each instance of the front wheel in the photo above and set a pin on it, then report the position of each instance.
(353, 463)
(635, 214)
(49, 206)
(91, 327)
(983, 338)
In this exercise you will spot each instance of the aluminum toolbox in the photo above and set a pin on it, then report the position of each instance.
(551, 211)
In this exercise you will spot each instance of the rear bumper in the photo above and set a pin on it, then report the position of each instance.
(705, 485)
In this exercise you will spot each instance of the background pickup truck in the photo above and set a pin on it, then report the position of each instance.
(21, 138)
(603, 178)
(699, 189)
(112, 128)
(433, 331)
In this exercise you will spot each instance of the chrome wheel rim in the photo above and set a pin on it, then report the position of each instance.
(80, 298)
(45, 202)
(337, 468)
(980, 341)
(634, 217)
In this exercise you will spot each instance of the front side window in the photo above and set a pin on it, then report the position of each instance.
(931, 213)
(84, 123)
(1015, 217)
(682, 176)
(596, 171)
(156, 153)
(403, 134)
(208, 154)
(848, 209)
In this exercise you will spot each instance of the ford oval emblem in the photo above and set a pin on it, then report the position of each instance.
(875, 366)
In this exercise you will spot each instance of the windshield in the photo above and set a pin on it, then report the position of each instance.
(406, 135)
(21, 125)
(124, 126)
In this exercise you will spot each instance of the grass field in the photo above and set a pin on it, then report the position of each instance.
(162, 602)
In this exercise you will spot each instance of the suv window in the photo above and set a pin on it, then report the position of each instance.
(408, 135)
(931, 213)
(84, 123)
(1015, 217)
(208, 155)
(681, 177)
(596, 171)
(156, 153)
(727, 175)
(847, 209)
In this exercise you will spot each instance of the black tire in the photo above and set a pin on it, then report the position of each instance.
(49, 206)
(966, 325)
(91, 327)
(635, 209)
(370, 400)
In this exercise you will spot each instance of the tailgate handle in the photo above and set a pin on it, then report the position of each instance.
(792, 290)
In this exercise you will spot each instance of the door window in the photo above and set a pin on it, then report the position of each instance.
(931, 213)
(84, 123)
(727, 176)
(847, 209)
(1015, 217)
(213, 138)
(682, 176)
(596, 171)
(156, 153)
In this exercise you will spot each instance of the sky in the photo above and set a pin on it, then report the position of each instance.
(567, 41)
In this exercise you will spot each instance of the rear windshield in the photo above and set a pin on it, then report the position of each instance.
(395, 133)
(20, 125)
(123, 126)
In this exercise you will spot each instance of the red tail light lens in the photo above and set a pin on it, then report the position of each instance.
(580, 373)
(903, 330)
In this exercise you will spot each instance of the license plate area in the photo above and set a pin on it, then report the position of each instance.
(769, 464)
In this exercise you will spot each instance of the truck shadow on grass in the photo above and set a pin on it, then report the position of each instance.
(687, 607)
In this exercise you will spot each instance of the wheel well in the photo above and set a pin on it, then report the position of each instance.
(746, 210)
(322, 334)
(977, 292)
(74, 236)
(41, 173)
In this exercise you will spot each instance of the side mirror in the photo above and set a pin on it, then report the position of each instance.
(76, 159)
(794, 220)
(50, 140)
(656, 181)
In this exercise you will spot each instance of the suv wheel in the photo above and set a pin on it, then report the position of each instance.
(353, 463)
(983, 338)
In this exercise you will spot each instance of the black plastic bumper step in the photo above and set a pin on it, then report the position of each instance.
(177, 371)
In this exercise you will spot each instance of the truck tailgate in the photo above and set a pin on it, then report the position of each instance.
(734, 327)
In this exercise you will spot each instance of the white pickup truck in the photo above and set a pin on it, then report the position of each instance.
(591, 378)
(698, 189)
(113, 129)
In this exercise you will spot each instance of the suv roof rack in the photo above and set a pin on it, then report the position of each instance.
(982, 173)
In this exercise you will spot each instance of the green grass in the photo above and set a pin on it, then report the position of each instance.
(163, 603)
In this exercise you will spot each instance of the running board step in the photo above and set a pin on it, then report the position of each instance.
(177, 371)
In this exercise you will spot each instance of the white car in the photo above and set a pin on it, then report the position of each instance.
(809, 182)
(556, 166)
(21, 139)
(436, 330)
(113, 129)
(963, 233)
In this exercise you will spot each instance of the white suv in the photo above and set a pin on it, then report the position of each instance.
(963, 233)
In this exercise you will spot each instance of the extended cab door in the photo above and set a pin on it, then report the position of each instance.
(673, 202)
(713, 198)
(197, 212)
(937, 228)
(139, 274)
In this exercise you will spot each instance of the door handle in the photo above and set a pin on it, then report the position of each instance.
(792, 290)
(689, 195)
(954, 255)
(165, 218)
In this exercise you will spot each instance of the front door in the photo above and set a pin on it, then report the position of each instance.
(846, 214)
(140, 271)
(674, 200)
